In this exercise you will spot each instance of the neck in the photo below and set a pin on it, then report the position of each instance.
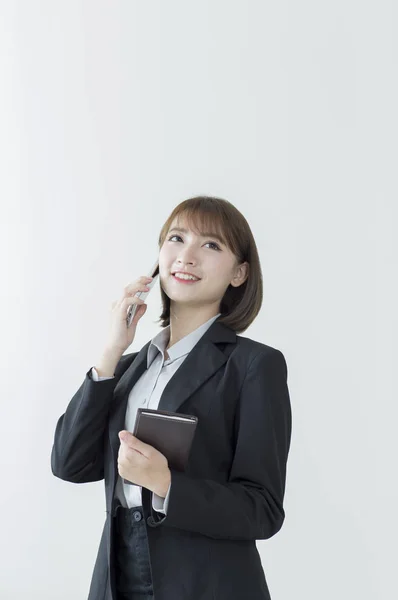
(182, 322)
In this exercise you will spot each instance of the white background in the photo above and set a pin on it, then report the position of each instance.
(111, 113)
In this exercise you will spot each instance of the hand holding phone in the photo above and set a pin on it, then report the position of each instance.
(154, 273)
(122, 328)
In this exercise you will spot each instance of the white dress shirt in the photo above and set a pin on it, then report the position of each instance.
(146, 393)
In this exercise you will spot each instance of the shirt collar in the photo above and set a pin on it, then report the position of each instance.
(182, 347)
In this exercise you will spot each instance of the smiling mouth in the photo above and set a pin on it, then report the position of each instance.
(185, 280)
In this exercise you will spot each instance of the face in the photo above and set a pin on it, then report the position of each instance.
(205, 257)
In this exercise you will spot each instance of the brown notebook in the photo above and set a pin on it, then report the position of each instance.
(169, 432)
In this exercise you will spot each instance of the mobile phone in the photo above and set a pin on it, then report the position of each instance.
(154, 272)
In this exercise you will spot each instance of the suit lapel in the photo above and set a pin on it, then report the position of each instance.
(198, 366)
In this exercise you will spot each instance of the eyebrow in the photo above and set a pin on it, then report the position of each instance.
(204, 234)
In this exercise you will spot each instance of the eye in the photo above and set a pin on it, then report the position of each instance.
(212, 243)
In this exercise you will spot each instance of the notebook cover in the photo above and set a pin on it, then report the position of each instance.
(172, 438)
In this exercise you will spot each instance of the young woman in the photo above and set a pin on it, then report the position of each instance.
(186, 535)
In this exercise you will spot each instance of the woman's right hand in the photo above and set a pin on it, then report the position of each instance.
(120, 336)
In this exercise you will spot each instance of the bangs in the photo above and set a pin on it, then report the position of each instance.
(205, 223)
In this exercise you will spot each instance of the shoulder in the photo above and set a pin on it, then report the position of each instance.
(253, 353)
(252, 348)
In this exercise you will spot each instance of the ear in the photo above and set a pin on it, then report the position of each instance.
(241, 274)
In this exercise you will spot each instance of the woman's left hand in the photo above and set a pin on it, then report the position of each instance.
(142, 464)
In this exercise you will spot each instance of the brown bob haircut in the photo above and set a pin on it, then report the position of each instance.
(239, 305)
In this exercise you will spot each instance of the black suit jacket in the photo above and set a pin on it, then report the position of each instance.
(233, 489)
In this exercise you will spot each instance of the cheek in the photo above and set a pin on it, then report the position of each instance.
(165, 258)
(218, 273)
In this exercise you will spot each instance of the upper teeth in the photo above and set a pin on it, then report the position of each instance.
(184, 276)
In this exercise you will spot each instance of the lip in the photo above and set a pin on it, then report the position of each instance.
(186, 281)
(185, 273)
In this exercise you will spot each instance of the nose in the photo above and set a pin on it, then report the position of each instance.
(185, 258)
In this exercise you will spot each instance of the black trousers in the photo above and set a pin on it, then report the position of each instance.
(133, 575)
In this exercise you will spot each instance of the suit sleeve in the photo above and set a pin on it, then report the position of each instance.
(250, 505)
(77, 454)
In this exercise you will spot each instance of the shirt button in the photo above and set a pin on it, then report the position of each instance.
(137, 515)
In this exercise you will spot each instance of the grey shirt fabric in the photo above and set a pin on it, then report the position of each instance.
(146, 393)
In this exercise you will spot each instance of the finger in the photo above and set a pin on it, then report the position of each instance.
(128, 439)
(134, 443)
(125, 436)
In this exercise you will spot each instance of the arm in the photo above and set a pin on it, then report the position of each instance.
(250, 505)
(78, 451)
